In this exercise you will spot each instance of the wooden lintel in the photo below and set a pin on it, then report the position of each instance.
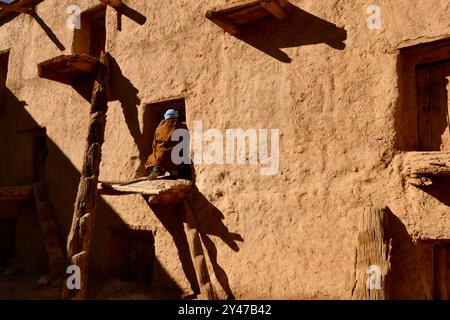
(233, 15)
(16, 193)
(419, 168)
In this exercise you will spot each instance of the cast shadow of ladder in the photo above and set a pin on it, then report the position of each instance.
(209, 223)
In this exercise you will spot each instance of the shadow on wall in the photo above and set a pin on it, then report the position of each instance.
(299, 29)
(51, 35)
(408, 279)
(209, 223)
(133, 15)
(126, 93)
(440, 190)
(62, 179)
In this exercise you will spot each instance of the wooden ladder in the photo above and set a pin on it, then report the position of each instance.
(81, 232)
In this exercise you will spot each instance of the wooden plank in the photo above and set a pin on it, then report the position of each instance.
(372, 255)
(66, 68)
(235, 6)
(21, 193)
(80, 236)
(197, 254)
(230, 16)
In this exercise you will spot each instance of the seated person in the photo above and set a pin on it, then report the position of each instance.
(160, 160)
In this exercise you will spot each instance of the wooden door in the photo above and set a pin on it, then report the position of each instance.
(432, 85)
(98, 34)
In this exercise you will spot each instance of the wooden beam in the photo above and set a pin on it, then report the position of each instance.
(419, 168)
(21, 193)
(198, 256)
(372, 255)
(80, 236)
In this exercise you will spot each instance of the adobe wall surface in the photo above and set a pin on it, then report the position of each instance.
(291, 235)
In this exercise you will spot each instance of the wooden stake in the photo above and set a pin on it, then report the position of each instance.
(198, 256)
(372, 256)
(80, 236)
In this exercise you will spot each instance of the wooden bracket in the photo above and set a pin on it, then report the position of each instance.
(231, 16)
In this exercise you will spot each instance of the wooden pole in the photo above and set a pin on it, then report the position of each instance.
(198, 256)
(50, 232)
(80, 236)
(372, 256)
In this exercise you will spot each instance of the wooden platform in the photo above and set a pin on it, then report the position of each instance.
(68, 68)
(19, 193)
(419, 168)
(161, 191)
(234, 15)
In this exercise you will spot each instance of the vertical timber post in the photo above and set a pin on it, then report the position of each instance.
(198, 256)
(80, 236)
(373, 255)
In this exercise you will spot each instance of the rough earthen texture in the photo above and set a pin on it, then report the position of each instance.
(335, 101)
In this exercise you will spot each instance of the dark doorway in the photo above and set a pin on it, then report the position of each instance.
(98, 33)
(441, 271)
(91, 38)
(132, 255)
(7, 240)
(432, 106)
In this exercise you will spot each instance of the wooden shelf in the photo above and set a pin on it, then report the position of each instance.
(419, 168)
(234, 15)
(20, 193)
(160, 191)
(67, 68)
